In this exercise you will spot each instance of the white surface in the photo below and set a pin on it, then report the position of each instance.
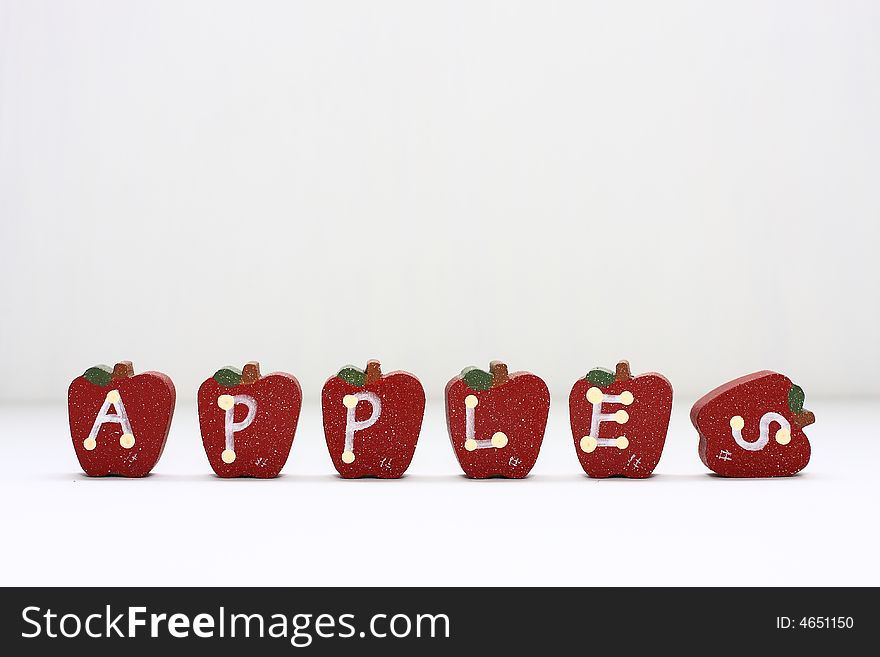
(184, 526)
(690, 185)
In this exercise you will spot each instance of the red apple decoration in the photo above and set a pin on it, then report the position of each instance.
(753, 427)
(372, 420)
(119, 421)
(619, 422)
(496, 420)
(248, 421)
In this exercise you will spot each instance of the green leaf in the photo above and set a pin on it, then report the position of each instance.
(228, 376)
(476, 379)
(352, 375)
(796, 399)
(600, 377)
(100, 375)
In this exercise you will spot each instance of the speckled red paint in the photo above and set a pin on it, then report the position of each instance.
(148, 399)
(261, 448)
(518, 408)
(750, 397)
(645, 430)
(386, 448)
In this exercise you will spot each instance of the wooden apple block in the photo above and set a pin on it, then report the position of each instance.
(248, 421)
(496, 420)
(753, 427)
(372, 420)
(619, 422)
(119, 421)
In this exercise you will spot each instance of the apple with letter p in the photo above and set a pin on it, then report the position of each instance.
(372, 420)
(248, 421)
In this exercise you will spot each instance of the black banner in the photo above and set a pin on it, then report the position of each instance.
(431, 620)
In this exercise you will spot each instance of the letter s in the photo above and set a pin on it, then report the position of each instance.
(24, 616)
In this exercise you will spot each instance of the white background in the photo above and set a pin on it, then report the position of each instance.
(690, 185)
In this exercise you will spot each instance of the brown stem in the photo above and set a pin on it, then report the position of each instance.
(804, 419)
(498, 370)
(373, 372)
(250, 373)
(623, 372)
(123, 370)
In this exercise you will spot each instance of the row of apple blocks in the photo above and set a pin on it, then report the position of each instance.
(749, 427)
